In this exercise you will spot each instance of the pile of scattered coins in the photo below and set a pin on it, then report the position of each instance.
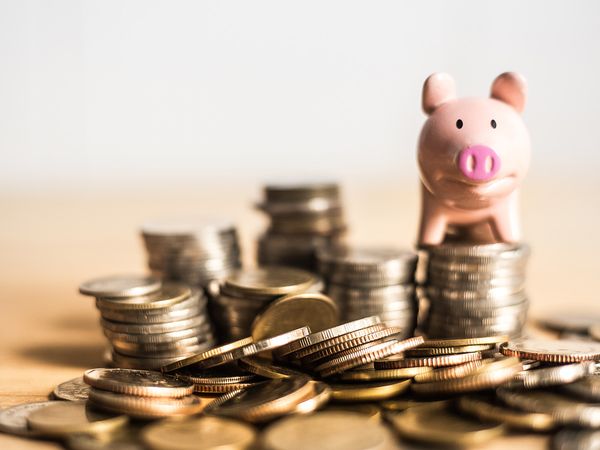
(475, 290)
(245, 293)
(148, 323)
(194, 251)
(303, 218)
(372, 281)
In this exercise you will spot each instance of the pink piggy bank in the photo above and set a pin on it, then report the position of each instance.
(473, 154)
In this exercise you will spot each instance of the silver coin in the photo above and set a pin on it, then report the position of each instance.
(573, 439)
(119, 286)
(151, 328)
(159, 338)
(587, 388)
(551, 376)
(72, 390)
(13, 420)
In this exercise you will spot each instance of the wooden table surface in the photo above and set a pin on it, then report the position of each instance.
(52, 241)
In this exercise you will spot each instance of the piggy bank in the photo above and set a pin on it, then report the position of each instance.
(473, 154)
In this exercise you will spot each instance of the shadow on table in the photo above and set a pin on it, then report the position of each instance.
(68, 354)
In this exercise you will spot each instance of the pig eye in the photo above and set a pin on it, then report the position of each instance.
(459, 124)
(493, 123)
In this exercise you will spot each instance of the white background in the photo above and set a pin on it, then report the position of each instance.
(111, 94)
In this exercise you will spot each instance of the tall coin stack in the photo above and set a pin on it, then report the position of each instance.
(194, 251)
(244, 294)
(372, 281)
(148, 323)
(303, 218)
(475, 290)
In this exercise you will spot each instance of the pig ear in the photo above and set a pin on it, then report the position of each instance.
(438, 89)
(511, 88)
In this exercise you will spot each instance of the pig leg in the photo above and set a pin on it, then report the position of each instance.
(433, 227)
(505, 224)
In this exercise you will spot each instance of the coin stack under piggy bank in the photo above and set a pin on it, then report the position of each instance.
(303, 218)
(372, 281)
(475, 290)
(195, 251)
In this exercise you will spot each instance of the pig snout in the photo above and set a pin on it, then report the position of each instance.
(479, 163)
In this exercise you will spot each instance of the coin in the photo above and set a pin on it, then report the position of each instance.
(329, 333)
(198, 434)
(490, 340)
(314, 310)
(427, 361)
(120, 286)
(449, 372)
(327, 430)
(144, 407)
(268, 281)
(436, 351)
(364, 356)
(560, 351)
(573, 439)
(367, 392)
(383, 374)
(486, 409)
(169, 294)
(267, 368)
(372, 411)
(224, 375)
(562, 409)
(226, 349)
(143, 383)
(263, 401)
(404, 404)
(551, 376)
(72, 390)
(434, 424)
(587, 388)
(486, 377)
(62, 418)
(13, 419)
(125, 438)
(320, 395)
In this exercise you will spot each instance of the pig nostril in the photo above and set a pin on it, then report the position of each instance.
(470, 163)
(489, 164)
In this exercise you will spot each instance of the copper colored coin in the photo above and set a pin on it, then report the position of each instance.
(558, 351)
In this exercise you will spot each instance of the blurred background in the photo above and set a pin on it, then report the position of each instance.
(115, 111)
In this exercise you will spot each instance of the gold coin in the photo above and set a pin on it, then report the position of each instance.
(404, 404)
(314, 310)
(143, 383)
(263, 401)
(367, 392)
(558, 351)
(169, 294)
(488, 340)
(434, 424)
(429, 361)
(268, 281)
(267, 368)
(320, 395)
(64, 418)
(227, 375)
(368, 355)
(324, 335)
(303, 352)
(124, 438)
(144, 407)
(494, 375)
(372, 411)
(222, 388)
(207, 355)
(343, 348)
(327, 430)
(435, 351)
(384, 374)
(205, 433)
(450, 372)
(486, 409)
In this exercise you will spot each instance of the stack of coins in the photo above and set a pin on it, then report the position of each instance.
(247, 292)
(141, 394)
(303, 218)
(193, 251)
(148, 323)
(475, 290)
(372, 281)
